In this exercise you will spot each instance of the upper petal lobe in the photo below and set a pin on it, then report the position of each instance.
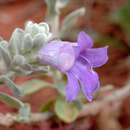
(84, 41)
(97, 56)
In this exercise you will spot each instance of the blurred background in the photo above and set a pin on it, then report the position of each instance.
(108, 22)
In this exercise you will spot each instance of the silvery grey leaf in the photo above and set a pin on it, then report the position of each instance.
(69, 21)
(19, 60)
(45, 25)
(28, 24)
(21, 71)
(4, 44)
(12, 101)
(39, 39)
(12, 86)
(62, 3)
(51, 12)
(34, 30)
(27, 43)
(24, 113)
(16, 41)
(25, 110)
(6, 57)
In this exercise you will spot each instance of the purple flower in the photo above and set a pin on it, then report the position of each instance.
(77, 61)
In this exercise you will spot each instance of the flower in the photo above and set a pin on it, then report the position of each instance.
(77, 61)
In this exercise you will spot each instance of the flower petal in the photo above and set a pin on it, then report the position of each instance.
(84, 41)
(72, 88)
(88, 78)
(97, 57)
(84, 61)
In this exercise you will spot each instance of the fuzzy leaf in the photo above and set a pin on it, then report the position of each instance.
(69, 21)
(4, 44)
(78, 104)
(25, 110)
(51, 9)
(27, 43)
(12, 101)
(16, 41)
(5, 55)
(19, 60)
(62, 3)
(24, 113)
(13, 87)
(66, 111)
(61, 88)
(39, 39)
(34, 85)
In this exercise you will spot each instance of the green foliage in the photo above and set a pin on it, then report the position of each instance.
(12, 101)
(20, 57)
(78, 104)
(61, 88)
(27, 43)
(62, 3)
(66, 111)
(15, 43)
(34, 85)
(12, 86)
(122, 17)
(45, 107)
(69, 21)
(24, 113)
(106, 39)
(51, 11)
(5, 55)
(18, 60)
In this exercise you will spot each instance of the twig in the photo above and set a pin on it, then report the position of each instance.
(88, 109)
(94, 107)
(9, 119)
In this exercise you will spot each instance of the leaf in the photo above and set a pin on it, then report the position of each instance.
(12, 101)
(12, 86)
(39, 39)
(24, 113)
(51, 11)
(78, 104)
(62, 3)
(16, 41)
(25, 110)
(122, 17)
(5, 55)
(69, 21)
(66, 111)
(61, 88)
(46, 106)
(4, 44)
(34, 85)
(27, 43)
(19, 60)
(109, 40)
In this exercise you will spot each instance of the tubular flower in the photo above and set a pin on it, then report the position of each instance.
(77, 61)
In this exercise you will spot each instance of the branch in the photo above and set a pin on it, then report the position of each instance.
(95, 107)
(9, 119)
(88, 109)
